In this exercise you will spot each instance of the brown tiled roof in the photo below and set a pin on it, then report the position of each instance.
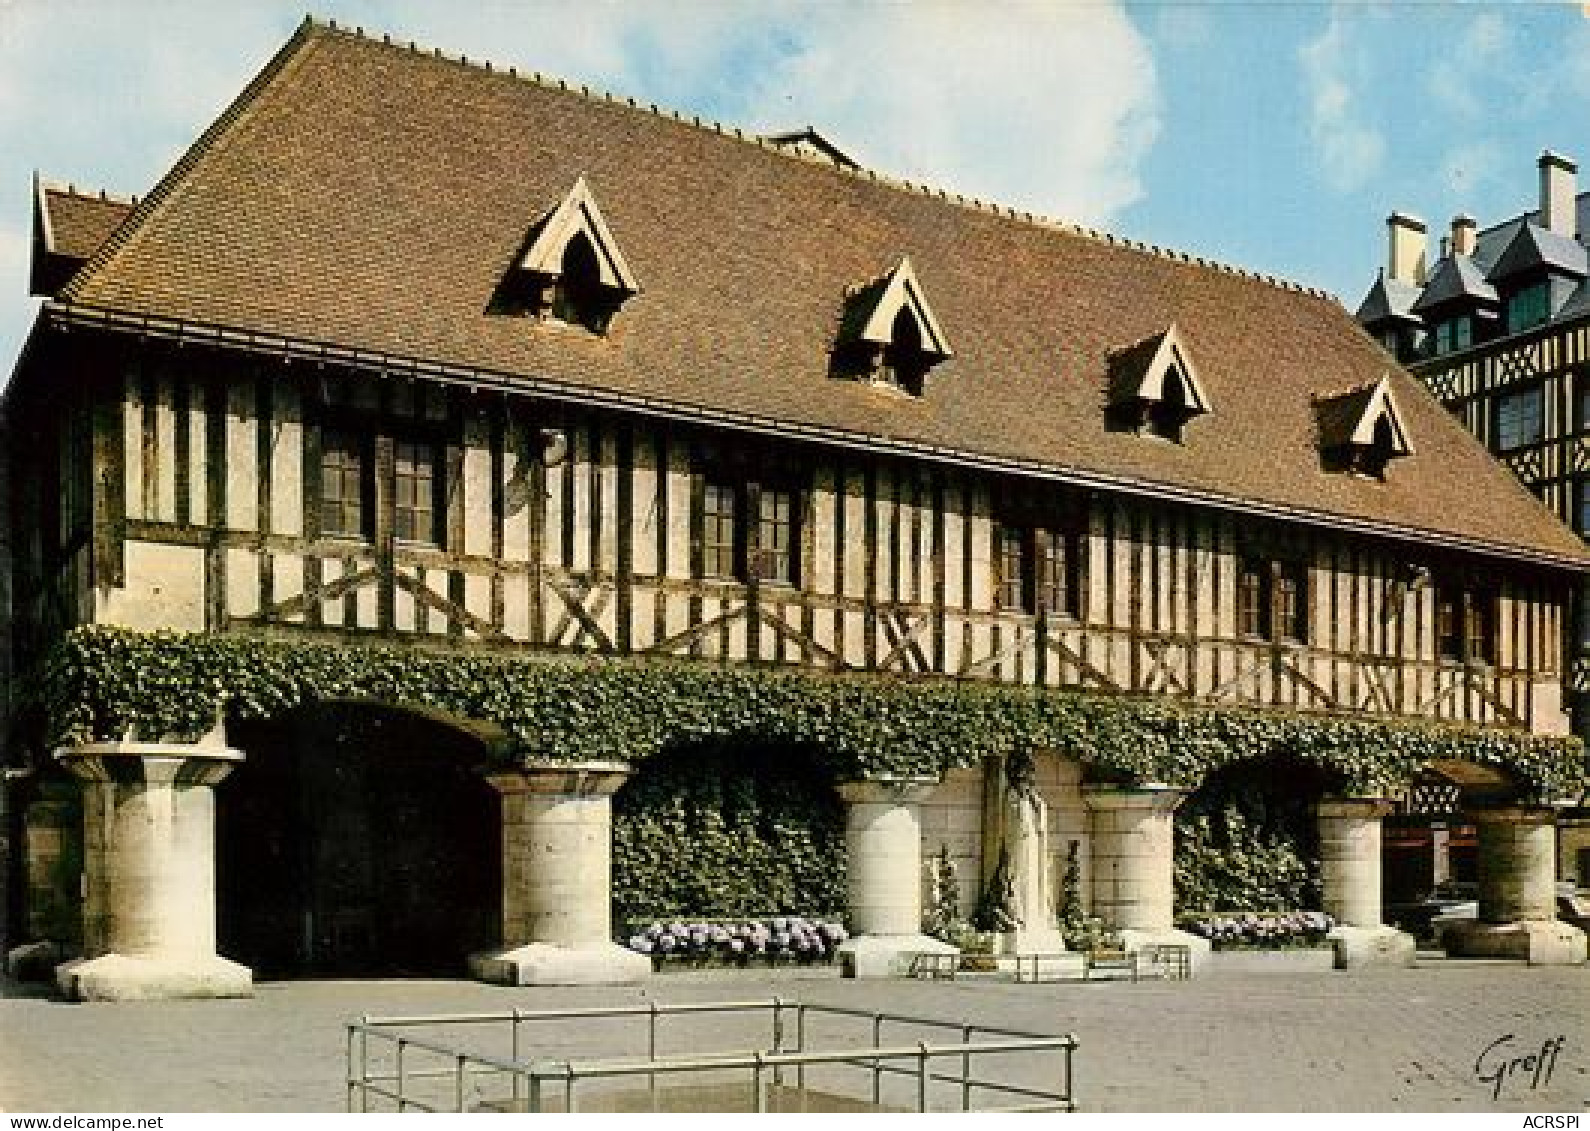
(80, 222)
(373, 197)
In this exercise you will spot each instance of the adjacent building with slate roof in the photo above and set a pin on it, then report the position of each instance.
(408, 351)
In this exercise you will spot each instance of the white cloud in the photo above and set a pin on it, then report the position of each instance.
(1046, 107)
(1350, 149)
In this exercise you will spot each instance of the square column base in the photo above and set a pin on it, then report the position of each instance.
(1197, 947)
(120, 977)
(543, 964)
(1031, 940)
(1540, 942)
(886, 956)
(1360, 947)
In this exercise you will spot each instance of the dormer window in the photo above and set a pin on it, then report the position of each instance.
(1361, 431)
(1529, 307)
(889, 334)
(1154, 388)
(571, 270)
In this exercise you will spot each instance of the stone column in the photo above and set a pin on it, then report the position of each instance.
(883, 840)
(1132, 854)
(1517, 861)
(149, 866)
(1350, 858)
(557, 879)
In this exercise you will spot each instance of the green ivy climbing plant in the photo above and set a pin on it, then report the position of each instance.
(99, 683)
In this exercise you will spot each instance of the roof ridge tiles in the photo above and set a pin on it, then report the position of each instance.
(70, 188)
(1031, 219)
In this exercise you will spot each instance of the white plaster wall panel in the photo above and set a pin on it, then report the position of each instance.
(580, 470)
(644, 522)
(287, 580)
(737, 630)
(365, 598)
(883, 535)
(516, 606)
(331, 608)
(242, 583)
(980, 531)
(436, 621)
(517, 494)
(676, 614)
(855, 638)
(198, 457)
(132, 424)
(954, 548)
(477, 485)
(242, 458)
(605, 505)
(823, 532)
(403, 610)
(165, 501)
(678, 488)
(926, 562)
(855, 547)
(287, 462)
(164, 588)
(824, 627)
(477, 600)
(552, 536)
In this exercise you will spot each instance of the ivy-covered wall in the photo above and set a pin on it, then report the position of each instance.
(100, 683)
(728, 831)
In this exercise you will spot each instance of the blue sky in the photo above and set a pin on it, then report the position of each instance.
(1275, 136)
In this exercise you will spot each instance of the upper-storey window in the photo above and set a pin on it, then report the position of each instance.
(345, 484)
(1453, 334)
(750, 530)
(1529, 307)
(777, 536)
(1520, 418)
(904, 363)
(1272, 600)
(1037, 569)
(720, 527)
(1465, 623)
(416, 484)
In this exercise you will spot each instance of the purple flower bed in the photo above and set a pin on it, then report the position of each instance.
(789, 938)
(1272, 929)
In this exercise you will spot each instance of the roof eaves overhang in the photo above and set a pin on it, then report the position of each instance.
(68, 315)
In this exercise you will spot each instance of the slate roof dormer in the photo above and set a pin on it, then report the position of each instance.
(1457, 279)
(1533, 248)
(1388, 300)
(1154, 386)
(1361, 430)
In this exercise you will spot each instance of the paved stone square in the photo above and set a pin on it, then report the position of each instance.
(1239, 1038)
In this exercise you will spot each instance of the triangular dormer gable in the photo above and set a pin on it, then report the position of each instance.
(877, 307)
(889, 332)
(576, 215)
(1362, 430)
(1154, 384)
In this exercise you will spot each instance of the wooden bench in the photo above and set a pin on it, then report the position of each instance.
(933, 965)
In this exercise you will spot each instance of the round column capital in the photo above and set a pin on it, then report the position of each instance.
(1150, 797)
(570, 779)
(887, 790)
(1514, 815)
(1354, 808)
(162, 763)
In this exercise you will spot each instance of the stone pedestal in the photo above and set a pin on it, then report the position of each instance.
(883, 839)
(557, 877)
(1132, 851)
(149, 864)
(1350, 862)
(1517, 905)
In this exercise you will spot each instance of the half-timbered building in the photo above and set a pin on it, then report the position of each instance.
(417, 353)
